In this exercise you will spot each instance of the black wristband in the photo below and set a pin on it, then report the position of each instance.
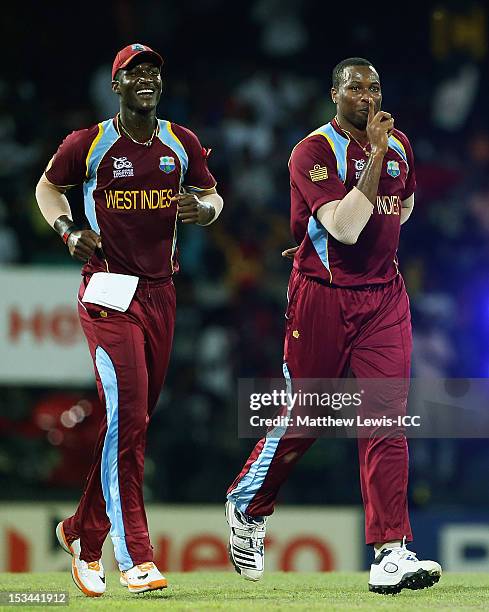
(212, 213)
(66, 235)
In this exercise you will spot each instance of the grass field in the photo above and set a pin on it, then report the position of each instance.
(277, 591)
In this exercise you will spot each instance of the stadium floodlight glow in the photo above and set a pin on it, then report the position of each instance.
(77, 413)
(55, 437)
(68, 419)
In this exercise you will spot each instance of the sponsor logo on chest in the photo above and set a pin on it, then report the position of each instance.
(122, 167)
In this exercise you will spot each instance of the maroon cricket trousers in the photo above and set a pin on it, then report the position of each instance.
(131, 351)
(329, 332)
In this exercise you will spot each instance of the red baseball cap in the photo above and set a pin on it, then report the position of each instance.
(126, 55)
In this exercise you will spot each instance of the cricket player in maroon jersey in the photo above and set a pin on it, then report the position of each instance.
(139, 174)
(352, 186)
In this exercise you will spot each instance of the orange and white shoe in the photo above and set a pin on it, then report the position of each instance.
(72, 549)
(143, 577)
(88, 577)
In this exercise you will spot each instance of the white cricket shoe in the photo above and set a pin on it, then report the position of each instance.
(246, 548)
(143, 577)
(88, 577)
(72, 549)
(397, 568)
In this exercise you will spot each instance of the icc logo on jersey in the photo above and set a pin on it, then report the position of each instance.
(122, 167)
(393, 169)
(167, 164)
(359, 166)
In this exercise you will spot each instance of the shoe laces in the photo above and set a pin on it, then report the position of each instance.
(404, 553)
(251, 528)
(92, 565)
(146, 567)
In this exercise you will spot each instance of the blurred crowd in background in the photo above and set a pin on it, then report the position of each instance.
(251, 88)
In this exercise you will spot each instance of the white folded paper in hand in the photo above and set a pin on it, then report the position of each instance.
(111, 290)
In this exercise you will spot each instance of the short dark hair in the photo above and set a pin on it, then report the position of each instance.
(350, 61)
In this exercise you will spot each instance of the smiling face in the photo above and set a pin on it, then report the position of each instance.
(357, 85)
(139, 86)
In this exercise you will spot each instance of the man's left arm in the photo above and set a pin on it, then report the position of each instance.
(201, 209)
(198, 203)
(410, 187)
(407, 208)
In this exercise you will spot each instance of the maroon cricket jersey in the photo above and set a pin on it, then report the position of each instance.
(324, 167)
(127, 189)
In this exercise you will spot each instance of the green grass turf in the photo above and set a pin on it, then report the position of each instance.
(276, 591)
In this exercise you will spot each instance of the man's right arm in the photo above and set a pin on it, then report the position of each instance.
(52, 201)
(345, 219)
(55, 208)
(379, 126)
(66, 169)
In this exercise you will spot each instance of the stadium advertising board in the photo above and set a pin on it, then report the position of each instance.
(458, 539)
(41, 342)
(192, 538)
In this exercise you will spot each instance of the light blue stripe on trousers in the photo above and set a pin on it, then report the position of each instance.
(109, 470)
(247, 488)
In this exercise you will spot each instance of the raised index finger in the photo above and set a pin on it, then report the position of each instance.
(371, 111)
